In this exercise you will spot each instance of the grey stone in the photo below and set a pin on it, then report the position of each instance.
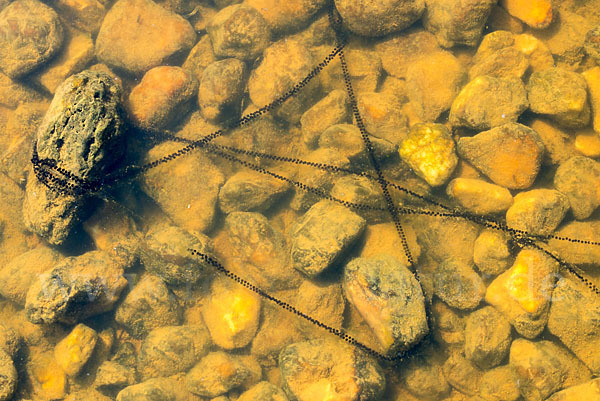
(248, 191)
(169, 350)
(457, 23)
(239, 31)
(83, 132)
(458, 284)
(378, 19)
(221, 88)
(167, 255)
(322, 235)
(149, 305)
(75, 289)
(30, 34)
(487, 337)
(390, 300)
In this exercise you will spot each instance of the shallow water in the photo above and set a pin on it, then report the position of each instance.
(379, 263)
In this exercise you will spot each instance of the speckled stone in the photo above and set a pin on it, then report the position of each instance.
(487, 337)
(430, 151)
(538, 211)
(389, 298)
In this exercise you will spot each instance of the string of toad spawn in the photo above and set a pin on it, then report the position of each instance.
(64, 182)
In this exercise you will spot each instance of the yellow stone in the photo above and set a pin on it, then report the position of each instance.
(73, 351)
(592, 77)
(478, 196)
(231, 314)
(77, 53)
(535, 13)
(49, 380)
(538, 54)
(524, 288)
(588, 143)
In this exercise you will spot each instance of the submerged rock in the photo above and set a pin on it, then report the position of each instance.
(169, 350)
(322, 369)
(219, 372)
(75, 289)
(167, 254)
(487, 337)
(73, 351)
(390, 300)
(137, 35)
(366, 18)
(523, 292)
(8, 377)
(488, 102)
(458, 285)
(30, 34)
(239, 31)
(457, 23)
(322, 235)
(510, 155)
(574, 320)
(231, 314)
(221, 89)
(430, 151)
(149, 305)
(560, 94)
(579, 179)
(263, 391)
(479, 196)
(83, 132)
(248, 191)
(538, 211)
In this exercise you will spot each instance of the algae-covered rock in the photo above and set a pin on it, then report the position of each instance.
(167, 254)
(487, 337)
(574, 320)
(561, 95)
(579, 179)
(31, 34)
(322, 236)
(378, 19)
(319, 369)
(83, 132)
(332, 109)
(538, 211)
(172, 349)
(432, 83)
(219, 372)
(75, 289)
(457, 23)
(239, 31)
(221, 89)
(263, 391)
(149, 305)
(458, 285)
(488, 102)
(491, 254)
(361, 190)
(249, 191)
(8, 377)
(389, 298)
